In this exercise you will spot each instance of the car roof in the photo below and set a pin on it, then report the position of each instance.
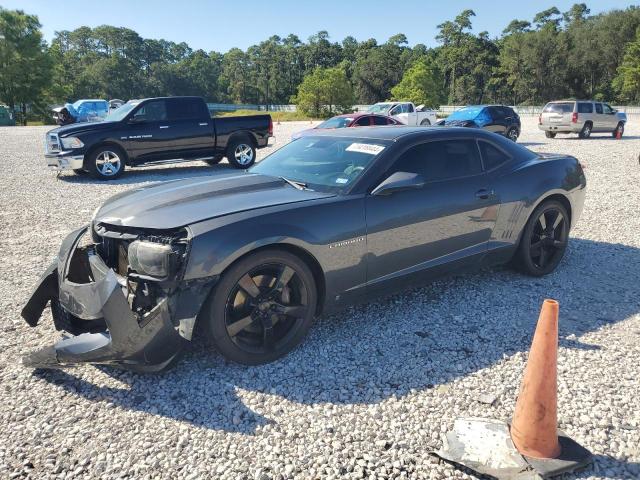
(360, 114)
(395, 132)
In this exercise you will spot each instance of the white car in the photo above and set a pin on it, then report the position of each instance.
(405, 112)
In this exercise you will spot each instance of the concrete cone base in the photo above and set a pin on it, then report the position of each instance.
(485, 446)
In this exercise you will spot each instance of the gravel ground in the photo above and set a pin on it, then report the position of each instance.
(370, 391)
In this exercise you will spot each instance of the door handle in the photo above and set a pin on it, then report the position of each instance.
(484, 194)
(164, 126)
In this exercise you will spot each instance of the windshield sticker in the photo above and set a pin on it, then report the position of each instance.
(365, 148)
(342, 180)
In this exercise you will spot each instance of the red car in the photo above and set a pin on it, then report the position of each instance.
(363, 119)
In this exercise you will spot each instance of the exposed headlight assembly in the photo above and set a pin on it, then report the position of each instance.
(151, 259)
(71, 142)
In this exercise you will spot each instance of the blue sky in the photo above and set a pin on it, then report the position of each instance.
(221, 25)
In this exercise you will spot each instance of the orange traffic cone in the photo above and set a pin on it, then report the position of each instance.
(618, 134)
(532, 443)
(534, 430)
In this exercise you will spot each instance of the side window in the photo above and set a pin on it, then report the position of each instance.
(441, 160)
(492, 156)
(363, 122)
(185, 109)
(607, 109)
(379, 121)
(154, 111)
(409, 108)
(507, 112)
(598, 108)
(396, 110)
(585, 107)
(496, 113)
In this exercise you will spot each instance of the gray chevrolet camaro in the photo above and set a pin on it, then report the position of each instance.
(330, 219)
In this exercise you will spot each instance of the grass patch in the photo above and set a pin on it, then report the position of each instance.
(276, 116)
(35, 123)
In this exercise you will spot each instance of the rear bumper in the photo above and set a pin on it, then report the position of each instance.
(561, 127)
(101, 326)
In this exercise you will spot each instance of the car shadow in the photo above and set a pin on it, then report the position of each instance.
(530, 144)
(153, 174)
(405, 343)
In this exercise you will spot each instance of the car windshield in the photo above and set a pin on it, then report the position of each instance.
(336, 122)
(322, 163)
(379, 108)
(565, 107)
(121, 112)
(466, 113)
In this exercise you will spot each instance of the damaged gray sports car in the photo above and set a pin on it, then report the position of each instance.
(328, 220)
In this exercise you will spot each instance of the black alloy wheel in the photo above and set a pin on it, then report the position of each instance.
(262, 308)
(544, 240)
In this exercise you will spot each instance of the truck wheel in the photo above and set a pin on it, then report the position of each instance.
(425, 122)
(619, 128)
(106, 162)
(586, 130)
(550, 134)
(241, 153)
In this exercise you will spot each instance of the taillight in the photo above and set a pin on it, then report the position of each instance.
(270, 127)
(574, 117)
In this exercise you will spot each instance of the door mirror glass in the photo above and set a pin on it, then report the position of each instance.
(399, 181)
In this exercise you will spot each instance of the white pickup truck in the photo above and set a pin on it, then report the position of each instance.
(405, 112)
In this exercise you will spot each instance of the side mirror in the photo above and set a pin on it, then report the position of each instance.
(399, 181)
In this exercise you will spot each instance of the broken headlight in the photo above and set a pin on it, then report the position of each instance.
(151, 259)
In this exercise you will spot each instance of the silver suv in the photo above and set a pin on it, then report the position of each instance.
(582, 117)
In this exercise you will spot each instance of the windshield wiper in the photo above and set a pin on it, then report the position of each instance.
(295, 184)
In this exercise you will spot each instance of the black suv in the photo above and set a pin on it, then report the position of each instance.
(495, 118)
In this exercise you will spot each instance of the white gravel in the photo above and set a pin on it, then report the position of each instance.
(371, 389)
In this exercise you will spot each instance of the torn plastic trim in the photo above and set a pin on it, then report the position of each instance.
(146, 342)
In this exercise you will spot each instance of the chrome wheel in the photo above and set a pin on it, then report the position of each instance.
(548, 238)
(108, 163)
(512, 135)
(266, 307)
(243, 154)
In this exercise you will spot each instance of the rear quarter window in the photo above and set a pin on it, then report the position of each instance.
(585, 107)
(492, 156)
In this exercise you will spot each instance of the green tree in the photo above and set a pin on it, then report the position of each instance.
(24, 64)
(627, 82)
(324, 91)
(421, 84)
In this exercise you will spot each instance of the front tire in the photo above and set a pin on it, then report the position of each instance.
(586, 131)
(544, 239)
(241, 153)
(550, 134)
(106, 162)
(262, 307)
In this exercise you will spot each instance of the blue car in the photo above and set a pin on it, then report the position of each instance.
(494, 118)
(85, 110)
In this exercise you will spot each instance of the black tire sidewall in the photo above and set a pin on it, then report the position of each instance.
(583, 133)
(233, 144)
(91, 162)
(214, 310)
(513, 129)
(550, 134)
(523, 257)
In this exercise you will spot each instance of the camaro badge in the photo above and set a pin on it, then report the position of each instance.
(345, 243)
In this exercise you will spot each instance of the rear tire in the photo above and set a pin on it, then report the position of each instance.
(544, 240)
(106, 162)
(262, 308)
(619, 127)
(586, 131)
(550, 134)
(425, 123)
(513, 134)
(241, 152)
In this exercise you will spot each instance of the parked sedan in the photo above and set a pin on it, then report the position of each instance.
(349, 120)
(327, 220)
(494, 118)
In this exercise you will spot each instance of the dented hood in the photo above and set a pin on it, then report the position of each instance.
(183, 202)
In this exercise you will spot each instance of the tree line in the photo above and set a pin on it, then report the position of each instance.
(553, 55)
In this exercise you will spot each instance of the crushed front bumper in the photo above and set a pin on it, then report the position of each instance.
(106, 329)
(64, 161)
